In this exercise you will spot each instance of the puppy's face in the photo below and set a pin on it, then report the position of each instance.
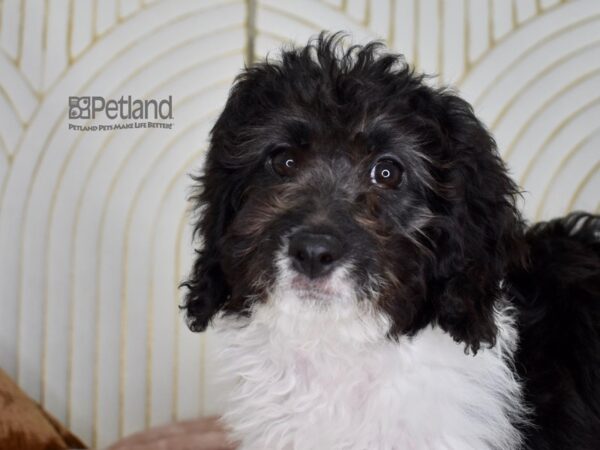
(334, 207)
(340, 179)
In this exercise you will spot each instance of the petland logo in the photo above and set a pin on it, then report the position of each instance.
(139, 113)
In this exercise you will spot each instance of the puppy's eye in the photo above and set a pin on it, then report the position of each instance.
(386, 173)
(286, 161)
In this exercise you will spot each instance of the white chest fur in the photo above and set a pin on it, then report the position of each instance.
(304, 378)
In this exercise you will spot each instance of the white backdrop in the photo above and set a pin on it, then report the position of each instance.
(94, 235)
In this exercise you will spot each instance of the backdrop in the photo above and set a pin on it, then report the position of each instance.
(94, 230)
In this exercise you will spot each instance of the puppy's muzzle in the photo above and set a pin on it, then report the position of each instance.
(314, 254)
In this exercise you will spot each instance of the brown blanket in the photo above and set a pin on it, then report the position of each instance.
(202, 434)
(25, 425)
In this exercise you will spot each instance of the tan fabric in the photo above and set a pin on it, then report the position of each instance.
(201, 434)
(25, 425)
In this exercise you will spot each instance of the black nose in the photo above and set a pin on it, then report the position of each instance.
(313, 254)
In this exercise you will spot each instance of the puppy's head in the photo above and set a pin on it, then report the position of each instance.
(339, 176)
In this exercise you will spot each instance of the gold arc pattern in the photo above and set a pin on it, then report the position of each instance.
(30, 182)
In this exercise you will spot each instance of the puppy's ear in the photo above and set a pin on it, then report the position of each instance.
(481, 230)
(219, 195)
(207, 288)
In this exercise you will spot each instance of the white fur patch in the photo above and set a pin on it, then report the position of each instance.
(319, 373)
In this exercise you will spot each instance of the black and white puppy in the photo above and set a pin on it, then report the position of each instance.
(371, 281)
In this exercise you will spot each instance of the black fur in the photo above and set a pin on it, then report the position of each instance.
(439, 245)
(558, 297)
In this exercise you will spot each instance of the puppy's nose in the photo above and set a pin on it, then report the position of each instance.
(314, 255)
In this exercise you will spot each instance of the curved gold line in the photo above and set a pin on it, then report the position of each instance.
(121, 15)
(128, 47)
(514, 18)
(76, 225)
(284, 13)
(13, 107)
(93, 18)
(123, 314)
(44, 304)
(392, 23)
(440, 43)
(38, 162)
(70, 54)
(283, 40)
(5, 181)
(19, 274)
(123, 50)
(488, 29)
(517, 95)
(124, 284)
(94, 21)
(176, 355)
(278, 37)
(21, 39)
(467, 44)
(466, 41)
(118, 8)
(174, 405)
(44, 46)
(335, 7)
(7, 161)
(548, 101)
(542, 149)
(250, 32)
(202, 378)
(302, 20)
(24, 82)
(337, 10)
(539, 44)
(69, 41)
(416, 31)
(4, 148)
(19, 301)
(80, 199)
(150, 316)
(491, 25)
(367, 14)
(560, 167)
(162, 26)
(110, 194)
(183, 221)
(181, 133)
(138, 70)
(584, 181)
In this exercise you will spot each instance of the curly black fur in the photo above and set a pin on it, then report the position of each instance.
(558, 297)
(355, 101)
(440, 244)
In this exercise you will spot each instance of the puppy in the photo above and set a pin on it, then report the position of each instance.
(372, 284)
